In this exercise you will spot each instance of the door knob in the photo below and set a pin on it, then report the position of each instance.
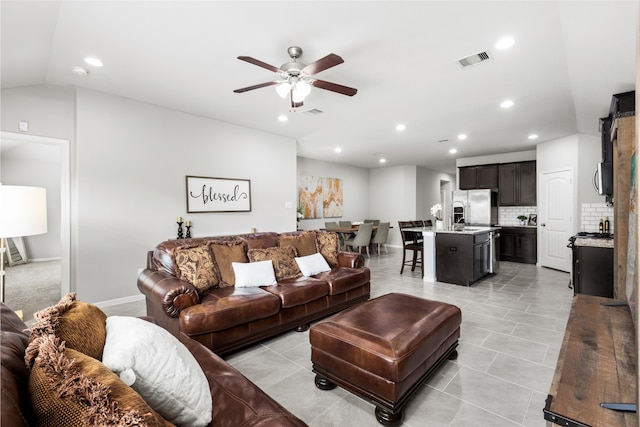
(543, 224)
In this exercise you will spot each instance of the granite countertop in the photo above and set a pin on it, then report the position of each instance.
(594, 242)
(519, 226)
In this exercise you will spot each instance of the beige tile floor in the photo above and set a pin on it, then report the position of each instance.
(512, 328)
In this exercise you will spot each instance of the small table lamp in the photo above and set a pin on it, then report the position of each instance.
(23, 212)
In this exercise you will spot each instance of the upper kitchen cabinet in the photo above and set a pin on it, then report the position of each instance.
(479, 177)
(517, 184)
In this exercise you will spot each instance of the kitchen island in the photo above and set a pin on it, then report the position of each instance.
(456, 256)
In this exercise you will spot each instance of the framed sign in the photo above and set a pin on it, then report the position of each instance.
(218, 194)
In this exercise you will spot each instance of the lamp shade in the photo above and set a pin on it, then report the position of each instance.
(23, 211)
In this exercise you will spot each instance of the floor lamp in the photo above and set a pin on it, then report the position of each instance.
(23, 212)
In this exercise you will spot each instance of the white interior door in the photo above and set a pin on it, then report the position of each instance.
(555, 219)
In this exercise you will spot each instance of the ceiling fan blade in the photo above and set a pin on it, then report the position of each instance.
(322, 64)
(259, 63)
(258, 86)
(334, 87)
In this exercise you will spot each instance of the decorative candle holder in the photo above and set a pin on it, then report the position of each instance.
(188, 231)
(180, 235)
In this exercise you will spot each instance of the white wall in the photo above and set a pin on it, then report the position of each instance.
(355, 189)
(129, 161)
(430, 183)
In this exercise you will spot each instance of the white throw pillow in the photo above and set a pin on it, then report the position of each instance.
(312, 264)
(252, 274)
(160, 368)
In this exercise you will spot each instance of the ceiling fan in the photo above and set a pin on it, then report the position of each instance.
(296, 78)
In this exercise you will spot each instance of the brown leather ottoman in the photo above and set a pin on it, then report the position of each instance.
(384, 349)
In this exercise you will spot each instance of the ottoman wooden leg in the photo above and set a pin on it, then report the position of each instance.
(323, 383)
(388, 418)
(453, 355)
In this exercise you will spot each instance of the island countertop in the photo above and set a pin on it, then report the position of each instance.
(466, 230)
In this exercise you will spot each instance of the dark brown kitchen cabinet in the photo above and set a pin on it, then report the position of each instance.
(478, 177)
(519, 244)
(517, 184)
(592, 272)
(462, 258)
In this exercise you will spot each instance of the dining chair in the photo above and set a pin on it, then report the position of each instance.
(410, 244)
(373, 221)
(345, 223)
(380, 238)
(331, 224)
(428, 223)
(362, 238)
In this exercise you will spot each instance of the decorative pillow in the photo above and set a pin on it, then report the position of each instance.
(196, 266)
(328, 246)
(79, 324)
(305, 243)
(160, 368)
(225, 253)
(68, 388)
(283, 258)
(312, 264)
(253, 274)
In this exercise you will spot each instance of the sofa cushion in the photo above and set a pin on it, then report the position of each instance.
(298, 291)
(155, 364)
(252, 274)
(305, 242)
(328, 245)
(311, 265)
(224, 308)
(196, 266)
(69, 388)
(283, 258)
(342, 279)
(224, 253)
(79, 324)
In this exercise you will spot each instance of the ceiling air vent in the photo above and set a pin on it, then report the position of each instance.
(314, 112)
(474, 59)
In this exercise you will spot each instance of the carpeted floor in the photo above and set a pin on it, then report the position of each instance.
(33, 286)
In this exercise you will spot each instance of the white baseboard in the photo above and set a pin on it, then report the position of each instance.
(43, 259)
(118, 301)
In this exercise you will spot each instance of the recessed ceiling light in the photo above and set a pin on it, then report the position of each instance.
(93, 61)
(79, 71)
(338, 150)
(283, 118)
(382, 160)
(400, 127)
(506, 103)
(533, 136)
(462, 136)
(505, 43)
(453, 151)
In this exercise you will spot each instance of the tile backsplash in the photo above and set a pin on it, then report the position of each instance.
(591, 214)
(508, 215)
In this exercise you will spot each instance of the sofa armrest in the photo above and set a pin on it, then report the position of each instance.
(350, 259)
(168, 292)
(238, 401)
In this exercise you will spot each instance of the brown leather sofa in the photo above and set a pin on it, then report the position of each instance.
(226, 318)
(237, 401)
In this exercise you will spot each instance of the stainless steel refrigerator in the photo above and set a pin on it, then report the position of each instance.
(476, 207)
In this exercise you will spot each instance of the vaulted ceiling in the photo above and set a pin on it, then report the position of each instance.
(568, 58)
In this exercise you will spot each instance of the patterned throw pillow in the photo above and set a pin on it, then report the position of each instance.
(196, 266)
(284, 262)
(328, 246)
(68, 388)
(81, 325)
(224, 253)
(305, 242)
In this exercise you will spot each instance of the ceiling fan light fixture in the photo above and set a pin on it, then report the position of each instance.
(283, 89)
(300, 91)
